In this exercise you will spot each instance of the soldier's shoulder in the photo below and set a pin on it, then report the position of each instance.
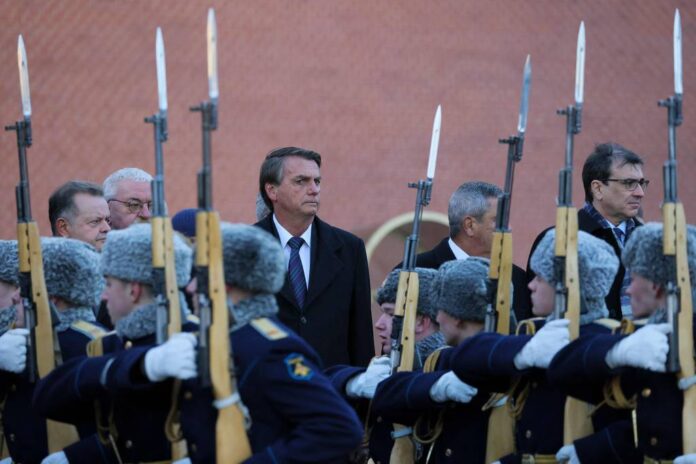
(90, 330)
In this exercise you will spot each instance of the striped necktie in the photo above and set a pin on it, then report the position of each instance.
(296, 272)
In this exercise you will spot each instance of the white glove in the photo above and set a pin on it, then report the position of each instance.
(13, 350)
(6, 461)
(646, 348)
(568, 454)
(686, 459)
(364, 385)
(450, 388)
(174, 358)
(182, 461)
(56, 458)
(540, 350)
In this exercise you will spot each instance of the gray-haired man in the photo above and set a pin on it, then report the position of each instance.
(129, 195)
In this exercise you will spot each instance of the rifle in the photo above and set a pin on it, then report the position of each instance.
(500, 270)
(404, 320)
(163, 265)
(501, 442)
(42, 343)
(215, 361)
(679, 305)
(567, 295)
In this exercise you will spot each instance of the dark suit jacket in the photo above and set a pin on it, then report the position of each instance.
(521, 303)
(336, 319)
(589, 225)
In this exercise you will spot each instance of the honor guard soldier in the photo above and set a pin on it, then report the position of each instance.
(131, 422)
(518, 363)
(359, 384)
(74, 285)
(628, 369)
(443, 411)
(295, 414)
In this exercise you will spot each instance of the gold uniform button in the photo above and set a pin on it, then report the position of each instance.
(12, 437)
(129, 344)
(653, 441)
(646, 392)
(379, 419)
(193, 447)
(13, 387)
(528, 434)
(128, 444)
(188, 395)
(448, 452)
(534, 384)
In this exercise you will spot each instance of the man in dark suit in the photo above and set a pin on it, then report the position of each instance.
(612, 177)
(326, 295)
(471, 211)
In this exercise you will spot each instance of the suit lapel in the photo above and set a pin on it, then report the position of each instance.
(325, 264)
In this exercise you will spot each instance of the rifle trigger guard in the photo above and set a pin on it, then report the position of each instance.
(231, 400)
(406, 431)
(687, 382)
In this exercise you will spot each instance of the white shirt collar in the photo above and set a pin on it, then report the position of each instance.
(285, 236)
(458, 252)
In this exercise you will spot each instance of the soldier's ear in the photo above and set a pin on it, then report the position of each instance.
(62, 227)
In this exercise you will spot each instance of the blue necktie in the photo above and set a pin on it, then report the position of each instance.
(296, 272)
(620, 236)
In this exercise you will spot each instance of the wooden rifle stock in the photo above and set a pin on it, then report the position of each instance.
(231, 440)
(163, 262)
(405, 312)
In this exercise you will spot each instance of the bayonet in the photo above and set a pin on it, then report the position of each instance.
(678, 86)
(23, 77)
(524, 99)
(580, 67)
(161, 72)
(434, 144)
(212, 56)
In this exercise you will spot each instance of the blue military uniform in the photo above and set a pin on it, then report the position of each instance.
(24, 427)
(404, 398)
(296, 415)
(658, 399)
(130, 412)
(487, 362)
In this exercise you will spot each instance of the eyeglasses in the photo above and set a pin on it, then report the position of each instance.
(134, 206)
(631, 184)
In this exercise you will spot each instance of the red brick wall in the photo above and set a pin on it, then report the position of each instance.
(358, 81)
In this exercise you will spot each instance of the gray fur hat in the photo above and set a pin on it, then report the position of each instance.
(72, 271)
(387, 292)
(253, 259)
(127, 255)
(643, 253)
(9, 263)
(460, 288)
(597, 267)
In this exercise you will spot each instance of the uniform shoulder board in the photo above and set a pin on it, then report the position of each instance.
(431, 361)
(268, 328)
(92, 331)
(96, 347)
(193, 319)
(611, 324)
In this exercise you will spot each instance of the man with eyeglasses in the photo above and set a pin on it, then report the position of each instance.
(129, 196)
(78, 210)
(614, 188)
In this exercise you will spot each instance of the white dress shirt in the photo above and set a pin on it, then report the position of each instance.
(458, 252)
